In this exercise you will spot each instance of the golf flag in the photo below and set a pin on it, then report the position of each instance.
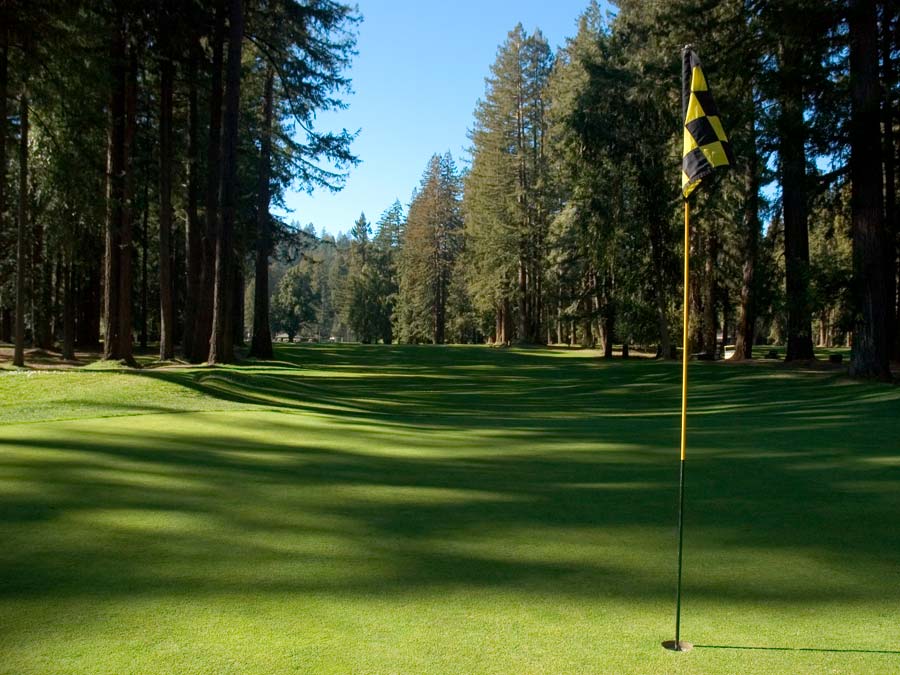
(706, 146)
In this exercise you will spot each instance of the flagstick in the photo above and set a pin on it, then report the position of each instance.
(676, 644)
(684, 374)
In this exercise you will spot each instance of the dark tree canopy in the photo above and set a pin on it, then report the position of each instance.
(145, 149)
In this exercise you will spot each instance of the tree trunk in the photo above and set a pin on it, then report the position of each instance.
(505, 321)
(523, 319)
(5, 327)
(115, 169)
(696, 294)
(193, 236)
(869, 357)
(68, 308)
(792, 148)
(440, 327)
(166, 285)
(41, 280)
(436, 314)
(203, 324)
(178, 280)
(598, 318)
(743, 345)
(237, 301)
(495, 338)
(6, 324)
(221, 349)
(57, 277)
(890, 186)
(661, 289)
(19, 350)
(588, 338)
(145, 264)
(711, 292)
(559, 309)
(126, 243)
(537, 291)
(262, 335)
(89, 291)
(35, 284)
(726, 317)
(895, 224)
(609, 327)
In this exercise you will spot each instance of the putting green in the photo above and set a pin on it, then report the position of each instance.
(352, 509)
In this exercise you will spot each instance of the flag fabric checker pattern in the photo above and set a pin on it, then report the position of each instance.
(706, 146)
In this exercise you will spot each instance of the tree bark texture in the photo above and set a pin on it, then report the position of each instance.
(193, 236)
(889, 78)
(166, 285)
(115, 193)
(41, 287)
(894, 105)
(261, 346)
(5, 324)
(89, 291)
(711, 293)
(68, 309)
(869, 356)
(203, 324)
(661, 290)
(237, 300)
(126, 242)
(743, 345)
(145, 265)
(19, 349)
(792, 149)
(221, 349)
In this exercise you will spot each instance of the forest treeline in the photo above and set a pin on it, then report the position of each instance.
(145, 146)
(143, 153)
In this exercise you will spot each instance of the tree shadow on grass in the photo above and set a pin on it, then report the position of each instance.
(800, 649)
(245, 510)
(553, 476)
(223, 513)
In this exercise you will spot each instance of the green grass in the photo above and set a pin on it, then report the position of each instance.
(381, 510)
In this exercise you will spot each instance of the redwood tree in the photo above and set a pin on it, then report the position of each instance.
(19, 354)
(221, 339)
(166, 285)
(261, 346)
(203, 319)
(869, 356)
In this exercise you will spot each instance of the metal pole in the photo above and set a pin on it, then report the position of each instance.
(684, 373)
(676, 644)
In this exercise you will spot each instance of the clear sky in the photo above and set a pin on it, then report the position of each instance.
(419, 72)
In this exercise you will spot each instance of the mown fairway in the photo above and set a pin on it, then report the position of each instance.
(377, 510)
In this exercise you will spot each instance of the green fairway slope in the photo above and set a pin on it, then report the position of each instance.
(379, 510)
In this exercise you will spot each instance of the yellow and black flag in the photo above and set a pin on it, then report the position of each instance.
(706, 146)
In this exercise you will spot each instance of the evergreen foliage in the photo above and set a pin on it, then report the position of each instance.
(159, 134)
(509, 190)
(294, 302)
(430, 244)
(144, 211)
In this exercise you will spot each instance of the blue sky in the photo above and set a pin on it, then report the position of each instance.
(419, 72)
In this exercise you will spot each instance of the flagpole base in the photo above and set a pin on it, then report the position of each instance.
(680, 646)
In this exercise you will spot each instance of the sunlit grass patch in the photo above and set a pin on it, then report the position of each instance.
(445, 510)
